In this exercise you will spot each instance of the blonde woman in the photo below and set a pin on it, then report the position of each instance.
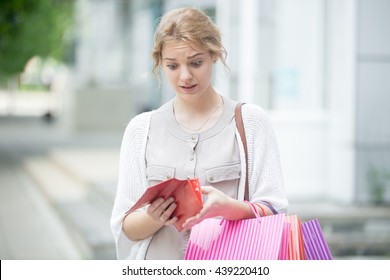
(194, 135)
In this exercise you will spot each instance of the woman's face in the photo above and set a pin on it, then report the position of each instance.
(188, 69)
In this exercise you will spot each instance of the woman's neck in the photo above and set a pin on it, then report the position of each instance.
(197, 105)
(200, 114)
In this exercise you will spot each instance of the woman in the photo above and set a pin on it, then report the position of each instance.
(192, 136)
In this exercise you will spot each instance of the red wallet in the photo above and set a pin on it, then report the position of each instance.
(187, 195)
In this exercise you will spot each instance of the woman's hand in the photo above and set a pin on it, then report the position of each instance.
(217, 204)
(160, 210)
(139, 225)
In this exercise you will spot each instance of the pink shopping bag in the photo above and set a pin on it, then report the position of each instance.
(296, 250)
(283, 253)
(250, 239)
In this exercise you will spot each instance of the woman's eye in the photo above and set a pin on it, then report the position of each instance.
(196, 63)
(172, 66)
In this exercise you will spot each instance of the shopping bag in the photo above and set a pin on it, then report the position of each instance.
(316, 247)
(283, 253)
(296, 249)
(248, 239)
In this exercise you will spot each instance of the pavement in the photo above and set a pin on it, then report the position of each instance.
(29, 226)
(57, 191)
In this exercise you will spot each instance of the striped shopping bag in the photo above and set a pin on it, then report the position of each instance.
(283, 252)
(249, 239)
(316, 247)
(295, 248)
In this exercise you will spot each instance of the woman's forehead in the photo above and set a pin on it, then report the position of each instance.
(178, 48)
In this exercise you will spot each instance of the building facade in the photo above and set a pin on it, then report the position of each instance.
(320, 68)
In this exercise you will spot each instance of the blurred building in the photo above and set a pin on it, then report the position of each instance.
(320, 68)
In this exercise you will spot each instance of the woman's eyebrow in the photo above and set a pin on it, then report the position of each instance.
(189, 57)
(195, 55)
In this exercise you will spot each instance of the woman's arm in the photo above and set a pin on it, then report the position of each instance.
(265, 173)
(131, 184)
(220, 205)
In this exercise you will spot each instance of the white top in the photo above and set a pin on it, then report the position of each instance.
(265, 176)
(211, 156)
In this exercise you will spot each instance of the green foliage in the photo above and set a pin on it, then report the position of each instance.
(378, 181)
(31, 28)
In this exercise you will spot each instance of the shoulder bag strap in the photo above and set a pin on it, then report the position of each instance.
(240, 128)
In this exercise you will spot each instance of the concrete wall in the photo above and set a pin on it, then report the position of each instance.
(111, 79)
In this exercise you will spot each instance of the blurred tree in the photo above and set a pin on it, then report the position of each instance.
(31, 28)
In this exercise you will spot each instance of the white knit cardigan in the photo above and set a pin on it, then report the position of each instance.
(265, 175)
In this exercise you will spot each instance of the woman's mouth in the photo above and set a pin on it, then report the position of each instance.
(188, 88)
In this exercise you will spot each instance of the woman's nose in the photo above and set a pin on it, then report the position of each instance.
(185, 74)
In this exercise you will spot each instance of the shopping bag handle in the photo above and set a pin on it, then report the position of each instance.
(253, 207)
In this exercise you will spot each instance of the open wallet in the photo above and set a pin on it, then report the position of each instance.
(187, 195)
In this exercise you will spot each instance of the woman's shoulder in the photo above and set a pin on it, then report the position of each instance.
(247, 109)
(138, 122)
(251, 109)
(141, 118)
(164, 109)
(254, 114)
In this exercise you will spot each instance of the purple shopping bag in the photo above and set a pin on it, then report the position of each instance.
(316, 247)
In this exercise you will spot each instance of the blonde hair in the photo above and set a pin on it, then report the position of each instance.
(190, 25)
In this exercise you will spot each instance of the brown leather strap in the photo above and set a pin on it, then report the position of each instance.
(240, 128)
